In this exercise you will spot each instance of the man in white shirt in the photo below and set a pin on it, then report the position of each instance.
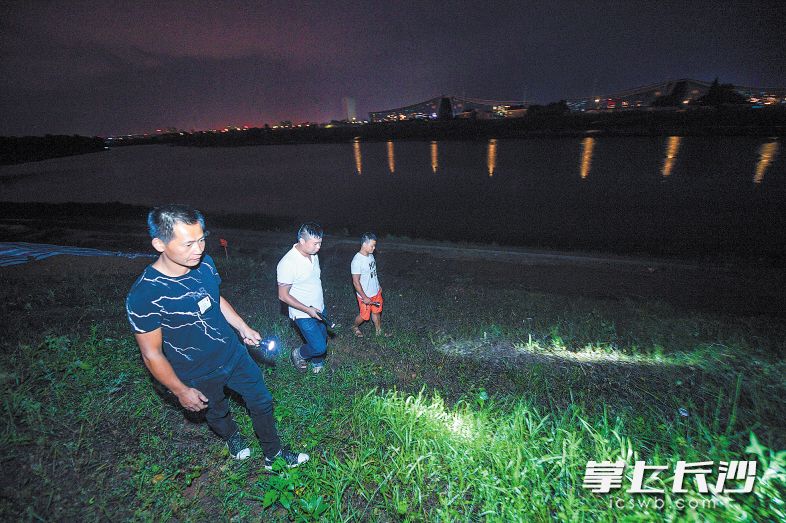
(300, 287)
(366, 283)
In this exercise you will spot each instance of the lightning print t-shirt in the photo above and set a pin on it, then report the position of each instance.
(197, 338)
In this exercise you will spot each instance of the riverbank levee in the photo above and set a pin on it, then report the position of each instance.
(507, 372)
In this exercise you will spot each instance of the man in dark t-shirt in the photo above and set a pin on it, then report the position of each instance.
(189, 335)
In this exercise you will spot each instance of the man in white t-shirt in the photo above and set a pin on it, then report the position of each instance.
(366, 283)
(300, 287)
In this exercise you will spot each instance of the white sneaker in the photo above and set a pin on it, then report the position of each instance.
(291, 459)
(238, 446)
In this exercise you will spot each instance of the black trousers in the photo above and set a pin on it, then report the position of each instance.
(243, 376)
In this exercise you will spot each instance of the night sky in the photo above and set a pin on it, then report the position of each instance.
(109, 68)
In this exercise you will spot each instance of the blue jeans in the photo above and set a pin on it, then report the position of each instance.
(315, 333)
(243, 376)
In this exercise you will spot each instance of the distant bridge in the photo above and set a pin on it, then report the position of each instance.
(684, 90)
(444, 107)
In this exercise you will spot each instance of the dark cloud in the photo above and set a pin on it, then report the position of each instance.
(103, 68)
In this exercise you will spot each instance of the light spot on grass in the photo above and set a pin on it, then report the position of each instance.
(501, 350)
(433, 415)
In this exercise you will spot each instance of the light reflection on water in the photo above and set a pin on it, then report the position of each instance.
(672, 146)
(710, 202)
(587, 145)
(491, 157)
(358, 157)
(391, 158)
(767, 153)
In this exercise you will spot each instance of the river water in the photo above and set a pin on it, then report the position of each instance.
(672, 195)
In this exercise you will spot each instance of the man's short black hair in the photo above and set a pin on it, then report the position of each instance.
(161, 221)
(367, 237)
(309, 230)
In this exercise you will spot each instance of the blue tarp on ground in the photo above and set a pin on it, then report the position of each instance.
(16, 253)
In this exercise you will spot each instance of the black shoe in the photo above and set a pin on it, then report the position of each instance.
(238, 446)
(290, 459)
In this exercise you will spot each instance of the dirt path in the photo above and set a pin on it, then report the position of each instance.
(735, 289)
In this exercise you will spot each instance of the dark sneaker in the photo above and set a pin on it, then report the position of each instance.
(290, 459)
(238, 446)
(298, 361)
(316, 368)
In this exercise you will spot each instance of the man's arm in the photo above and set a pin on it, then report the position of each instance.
(359, 289)
(151, 346)
(286, 297)
(249, 335)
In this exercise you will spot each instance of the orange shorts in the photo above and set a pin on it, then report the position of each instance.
(366, 310)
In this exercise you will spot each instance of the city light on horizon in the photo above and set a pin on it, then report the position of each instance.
(93, 70)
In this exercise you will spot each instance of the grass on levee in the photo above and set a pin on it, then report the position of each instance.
(466, 413)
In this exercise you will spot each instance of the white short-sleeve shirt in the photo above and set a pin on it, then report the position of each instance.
(303, 273)
(366, 266)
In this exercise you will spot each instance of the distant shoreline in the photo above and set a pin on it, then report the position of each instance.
(724, 121)
(15, 150)
(697, 122)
